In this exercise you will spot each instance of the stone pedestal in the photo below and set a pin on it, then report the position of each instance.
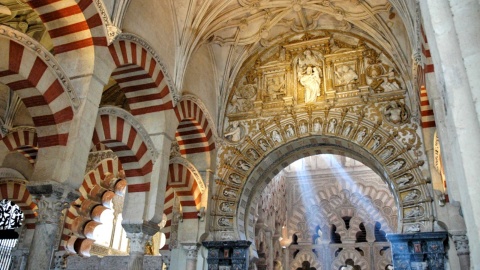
(51, 200)
(223, 254)
(418, 250)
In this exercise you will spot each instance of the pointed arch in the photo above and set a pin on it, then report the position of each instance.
(141, 75)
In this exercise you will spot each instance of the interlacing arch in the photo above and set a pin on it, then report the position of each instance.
(195, 133)
(14, 188)
(34, 75)
(349, 254)
(97, 191)
(184, 183)
(387, 149)
(306, 256)
(141, 75)
(120, 132)
(72, 25)
(24, 141)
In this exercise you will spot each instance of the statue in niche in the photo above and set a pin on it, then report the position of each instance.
(311, 81)
(290, 132)
(412, 195)
(309, 74)
(243, 165)
(331, 125)
(404, 180)
(276, 136)
(317, 125)
(413, 228)
(387, 152)
(395, 113)
(234, 133)
(396, 165)
(376, 142)
(253, 154)
(303, 127)
(226, 207)
(275, 88)
(361, 135)
(413, 213)
(347, 129)
(229, 193)
(346, 75)
(235, 178)
(223, 221)
(243, 97)
(263, 144)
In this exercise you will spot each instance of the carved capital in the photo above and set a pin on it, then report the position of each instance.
(138, 241)
(461, 244)
(50, 209)
(191, 249)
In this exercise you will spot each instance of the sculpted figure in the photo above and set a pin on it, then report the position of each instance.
(290, 131)
(396, 165)
(229, 193)
(235, 178)
(413, 228)
(416, 212)
(376, 142)
(235, 132)
(311, 81)
(387, 152)
(253, 154)
(331, 125)
(361, 135)
(303, 128)
(412, 195)
(263, 144)
(223, 221)
(346, 75)
(316, 125)
(347, 129)
(225, 207)
(241, 164)
(276, 136)
(395, 113)
(404, 179)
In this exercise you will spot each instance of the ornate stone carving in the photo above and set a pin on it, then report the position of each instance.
(50, 209)
(95, 157)
(461, 244)
(235, 132)
(396, 113)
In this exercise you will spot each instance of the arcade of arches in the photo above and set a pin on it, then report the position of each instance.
(239, 134)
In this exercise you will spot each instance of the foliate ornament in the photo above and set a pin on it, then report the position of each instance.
(461, 244)
(96, 157)
(11, 216)
(49, 209)
(396, 113)
(138, 241)
(175, 150)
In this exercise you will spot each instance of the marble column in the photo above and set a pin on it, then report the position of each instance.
(463, 250)
(139, 234)
(51, 200)
(191, 250)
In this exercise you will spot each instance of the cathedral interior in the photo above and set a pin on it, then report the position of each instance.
(239, 134)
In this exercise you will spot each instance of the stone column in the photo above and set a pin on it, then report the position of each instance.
(191, 250)
(139, 234)
(463, 250)
(51, 200)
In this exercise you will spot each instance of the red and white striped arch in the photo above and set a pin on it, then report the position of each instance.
(194, 133)
(41, 88)
(183, 183)
(24, 141)
(425, 77)
(140, 75)
(72, 25)
(16, 191)
(119, 131)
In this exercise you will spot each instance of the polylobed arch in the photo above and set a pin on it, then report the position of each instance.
(96, 193)
(195, 132)
(13, 187)
(385, 150)
(36, 77)
(349, 254)
(141, 75)
(24, 141)
(185, 183)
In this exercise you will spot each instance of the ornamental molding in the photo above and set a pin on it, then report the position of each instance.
(198, 178)
(111, 30)
(115, 111)
(47, 57)
(171, 86)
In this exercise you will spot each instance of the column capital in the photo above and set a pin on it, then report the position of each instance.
(191, 249)
(461, 244)
(139, 234)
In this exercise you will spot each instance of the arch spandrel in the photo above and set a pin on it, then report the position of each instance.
(394, 151)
